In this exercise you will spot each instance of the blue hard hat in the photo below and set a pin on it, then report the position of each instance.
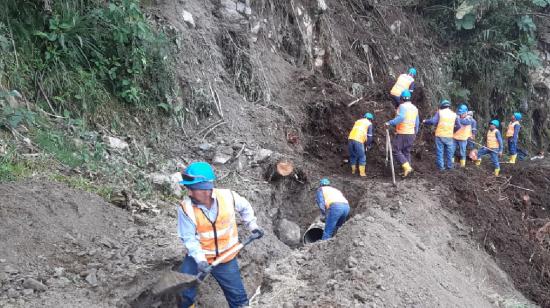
(198, 172)
(517, 115)
(324, 182)
(412, 71)
(445, 103)
(406, 94)
(369, 116)
(495, 123)
(462, 109)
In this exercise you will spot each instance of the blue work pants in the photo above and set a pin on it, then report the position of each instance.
(493, 153)
(460, 146)
(445, 148)
(336, 216)
(513, 149)
(228, 276)
(357, 153)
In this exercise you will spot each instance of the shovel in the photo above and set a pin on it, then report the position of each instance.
(174, 282)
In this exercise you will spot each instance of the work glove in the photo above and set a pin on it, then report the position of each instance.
(258, 233)
(387, 124)
(202, 267)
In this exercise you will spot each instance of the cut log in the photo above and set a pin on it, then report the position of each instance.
(284, 168)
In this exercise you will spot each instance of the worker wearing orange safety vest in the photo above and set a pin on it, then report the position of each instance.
(463, 133)
(404, 82)
(334, 207)
(361, 136)
(512, 134)
(207, 226)
(445, 121)
(406, 124)
(494, 146)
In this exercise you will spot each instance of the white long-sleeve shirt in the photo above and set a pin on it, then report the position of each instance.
(187, 230)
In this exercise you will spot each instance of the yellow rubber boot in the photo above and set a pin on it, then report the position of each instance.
(407, 169)
(353, 169)
(497, 172)
(462, 163)
(513, 159)
(478, 162)
(362, 170)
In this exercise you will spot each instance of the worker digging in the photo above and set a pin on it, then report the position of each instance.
(407, 123)
(403, 82)
(360, 137)
(208, 228)
(334, 207)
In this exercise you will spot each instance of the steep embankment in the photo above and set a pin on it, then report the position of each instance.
(259, 83)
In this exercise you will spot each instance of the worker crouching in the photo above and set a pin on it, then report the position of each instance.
(207, 226)
(334, 208)
(494, 146)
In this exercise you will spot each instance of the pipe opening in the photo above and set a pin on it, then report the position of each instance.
(313, 234)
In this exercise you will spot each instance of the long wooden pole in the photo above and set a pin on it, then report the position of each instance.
(388, 145)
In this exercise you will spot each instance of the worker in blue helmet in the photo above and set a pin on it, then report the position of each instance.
(207, 226)
(494, 146)
(360, 137)
(404, 82)
(512, 135)
(334, 207)
(446, 121)
(407, 124)
(463, 133)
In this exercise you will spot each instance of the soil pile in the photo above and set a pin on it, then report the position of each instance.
(401, 249)
(67, 248)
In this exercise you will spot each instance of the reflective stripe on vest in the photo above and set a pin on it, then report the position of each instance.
(220, 235)
(403, 82)
(359, 130)
(332, 195)
(463, 133)
(446, 124)
(492, 142)
(409, 123)
(510, 131)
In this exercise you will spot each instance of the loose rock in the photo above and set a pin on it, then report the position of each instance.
(34, 284)
(289, 232)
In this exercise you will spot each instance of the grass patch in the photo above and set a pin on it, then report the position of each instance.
(79, 182)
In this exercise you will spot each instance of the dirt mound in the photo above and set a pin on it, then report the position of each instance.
(77, 246)
(507, 216)
(402, 250)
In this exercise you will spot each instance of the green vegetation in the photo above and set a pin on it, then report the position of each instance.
(75, 55)
(79, 182)
(12, 167)
(493, 46)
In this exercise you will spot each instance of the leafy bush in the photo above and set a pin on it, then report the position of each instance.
(493, 46)
(82, 53)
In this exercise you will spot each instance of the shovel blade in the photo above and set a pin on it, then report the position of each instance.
(173, 282)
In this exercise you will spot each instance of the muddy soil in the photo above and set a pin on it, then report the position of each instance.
(401, 249)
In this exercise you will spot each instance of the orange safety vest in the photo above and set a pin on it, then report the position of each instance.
(359, 130)
(510, 131)
(492, 141)
(463, 133)
(409, 123)
(220, 235)
(332, 195)
(446, 124)
(403, 82)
